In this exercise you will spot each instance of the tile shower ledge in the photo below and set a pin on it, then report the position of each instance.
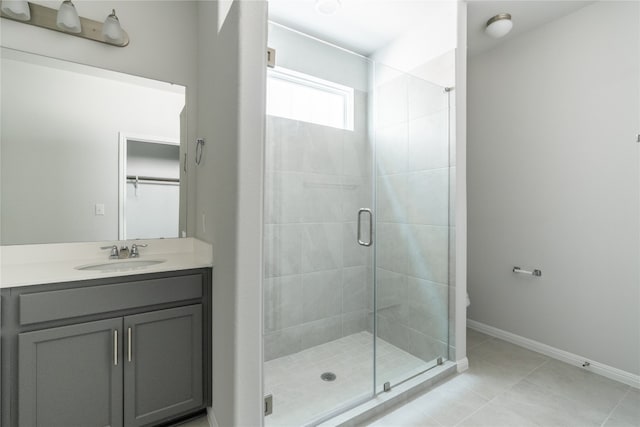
(24, 265)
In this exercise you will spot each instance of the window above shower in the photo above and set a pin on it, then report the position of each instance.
(298, 96)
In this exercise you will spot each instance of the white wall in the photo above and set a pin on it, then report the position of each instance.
(153, 52)
(553, 184)
(60, 141)
(231, 80)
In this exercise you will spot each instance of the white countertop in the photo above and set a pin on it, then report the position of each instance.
(24, 265)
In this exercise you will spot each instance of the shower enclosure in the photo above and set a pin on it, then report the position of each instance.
(357, 228)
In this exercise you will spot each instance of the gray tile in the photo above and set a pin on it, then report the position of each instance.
(580, 385)
(282, 342)
(321, 295)
(323, 149)
(492, 415)
(321, 247)
(628, 410)
(355, 322)
(487, 379)
(282, 249)
(428, 197)
(356, 194)
(428, 256)
(429, 142)
(285, 144)
(322, 198)
(393, 332)
(392, 149)
(428, 308)
(391, 198)
(282, 299)
(392, 101)
(547, 408)
(425, 347)
(391, 296)
(475, 338)
(321, 331)
(353, 253)
(392, 247)
(356, 289)
(508, 356)
(449, 402)
(283, 197)
(425, 98)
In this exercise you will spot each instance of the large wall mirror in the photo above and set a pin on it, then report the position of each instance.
(88, 154)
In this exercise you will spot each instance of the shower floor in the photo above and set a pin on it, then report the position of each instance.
(300, 395)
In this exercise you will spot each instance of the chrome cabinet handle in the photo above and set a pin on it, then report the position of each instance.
(129, 344)
(115, 348)
(360, 241)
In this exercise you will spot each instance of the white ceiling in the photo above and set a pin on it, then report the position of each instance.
(362, 26)
(365, 26)
(526, 15)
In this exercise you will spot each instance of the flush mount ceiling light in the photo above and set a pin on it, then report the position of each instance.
(17, 9)
(499, 25)
(66, 20)
(327, 7)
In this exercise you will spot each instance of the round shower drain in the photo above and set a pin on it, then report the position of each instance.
(328, 376)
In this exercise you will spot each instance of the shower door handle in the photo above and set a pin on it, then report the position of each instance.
(360, 212)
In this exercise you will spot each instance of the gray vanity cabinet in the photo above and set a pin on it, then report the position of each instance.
(70, 376)
(163, 364)
(133, 351)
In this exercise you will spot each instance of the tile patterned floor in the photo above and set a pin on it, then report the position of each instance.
(505, 386)
(509, 386)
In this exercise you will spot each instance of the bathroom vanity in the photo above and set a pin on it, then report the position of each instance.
(131, 349)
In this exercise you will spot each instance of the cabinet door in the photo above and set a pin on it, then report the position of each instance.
(71, 376)
(163, 364)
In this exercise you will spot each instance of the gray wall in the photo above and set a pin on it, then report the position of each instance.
(553, 184)
(231, 103)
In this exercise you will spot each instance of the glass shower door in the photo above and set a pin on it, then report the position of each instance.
(412, 174)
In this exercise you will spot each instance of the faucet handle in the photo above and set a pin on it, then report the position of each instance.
(134, 249)
(114, 251)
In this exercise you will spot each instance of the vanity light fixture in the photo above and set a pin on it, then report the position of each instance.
(66, 20)
(17, 9)
(499, 25)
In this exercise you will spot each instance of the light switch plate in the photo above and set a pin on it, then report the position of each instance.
(99, 209)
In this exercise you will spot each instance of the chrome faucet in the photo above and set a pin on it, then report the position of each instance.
(134, 249)
(114, 251)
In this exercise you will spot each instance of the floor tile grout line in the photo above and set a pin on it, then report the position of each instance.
(624, 396)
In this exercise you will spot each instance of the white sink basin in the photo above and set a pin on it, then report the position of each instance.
(120, 265)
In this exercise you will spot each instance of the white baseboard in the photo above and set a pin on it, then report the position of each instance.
(573, 359)
(462, 365)
(211, 418)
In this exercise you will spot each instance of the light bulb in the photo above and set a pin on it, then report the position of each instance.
(68, 19)
(111, 29)
(16, 9)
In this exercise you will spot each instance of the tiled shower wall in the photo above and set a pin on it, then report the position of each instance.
(317, 285)
(413, 224)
